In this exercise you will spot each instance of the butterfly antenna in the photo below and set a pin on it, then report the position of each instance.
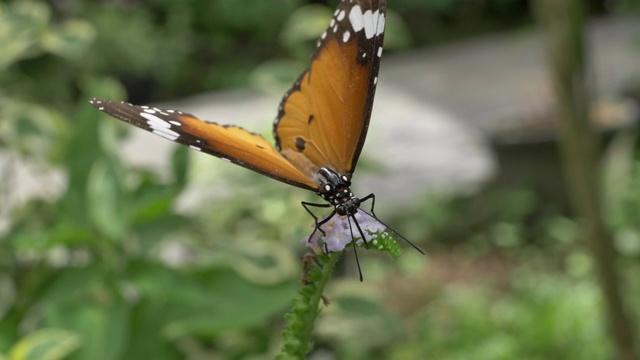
(355, 250)
(395, 232)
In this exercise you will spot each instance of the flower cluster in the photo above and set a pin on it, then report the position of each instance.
(339, 231)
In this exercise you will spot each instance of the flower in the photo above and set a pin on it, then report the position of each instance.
(339, 232)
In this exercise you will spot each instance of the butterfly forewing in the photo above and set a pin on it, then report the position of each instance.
(325, 116)
(230, 143)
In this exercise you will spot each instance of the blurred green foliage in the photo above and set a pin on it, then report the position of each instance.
(112, 267)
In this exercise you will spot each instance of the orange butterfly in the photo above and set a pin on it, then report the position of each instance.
(322, 121)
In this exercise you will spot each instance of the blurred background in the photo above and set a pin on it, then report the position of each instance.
(117, 244)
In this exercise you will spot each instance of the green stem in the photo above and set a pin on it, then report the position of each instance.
(564, 20)
(306, 307)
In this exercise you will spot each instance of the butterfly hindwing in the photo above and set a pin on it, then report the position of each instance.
(325, 116)
(230, 143)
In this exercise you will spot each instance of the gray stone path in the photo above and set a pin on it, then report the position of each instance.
(432, 111)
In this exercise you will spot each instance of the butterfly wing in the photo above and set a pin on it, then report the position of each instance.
(325, 116)
(230, 143)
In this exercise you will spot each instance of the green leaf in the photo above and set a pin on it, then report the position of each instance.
(7, 293)
(69, 284)
(305, 24)
(303, 28)
(180, 166)
(32, 129)
(146, 341)
(397, 35)
(45, 344)
(104, 197)
(21, 23)
(106, 328)
(87, 301)
(275, 76)
(150, 233)
(208, 302)
(71, 40)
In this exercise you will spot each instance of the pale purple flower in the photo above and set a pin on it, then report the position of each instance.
(338, 232)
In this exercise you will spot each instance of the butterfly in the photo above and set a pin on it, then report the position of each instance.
(322, 121)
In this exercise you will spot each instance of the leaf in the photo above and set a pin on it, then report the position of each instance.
(71, 40)
(397, 35)
(45, 344)
(207, 302)
(69, 284)
(305, 24)
(275, 76)
(180, 166)
(104, 198)
(105, 326)
(21, 23)
(146, 341)
(86, 301)
(7, 293)
(31, 128)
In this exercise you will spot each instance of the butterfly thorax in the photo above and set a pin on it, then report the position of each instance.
(335, 188)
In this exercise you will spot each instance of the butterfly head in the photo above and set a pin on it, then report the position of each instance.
(335, 188)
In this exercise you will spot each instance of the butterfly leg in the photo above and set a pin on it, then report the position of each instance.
(364, 239)
(355, 250)
(315, 218)
(371, 196)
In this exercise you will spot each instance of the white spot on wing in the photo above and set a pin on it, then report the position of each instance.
(176, 123)
(369, 29)
(333, 22)
(346, 36)
(149, 111)
(375, 80)
(160, 127)
(154, 121)
(341, 15)
(380, 51)
(167, 134)
(335, 28)
(381, 21)
(355, 18)
(195, 148)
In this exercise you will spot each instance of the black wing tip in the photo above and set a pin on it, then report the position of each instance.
(100, 103)
(96, 102)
